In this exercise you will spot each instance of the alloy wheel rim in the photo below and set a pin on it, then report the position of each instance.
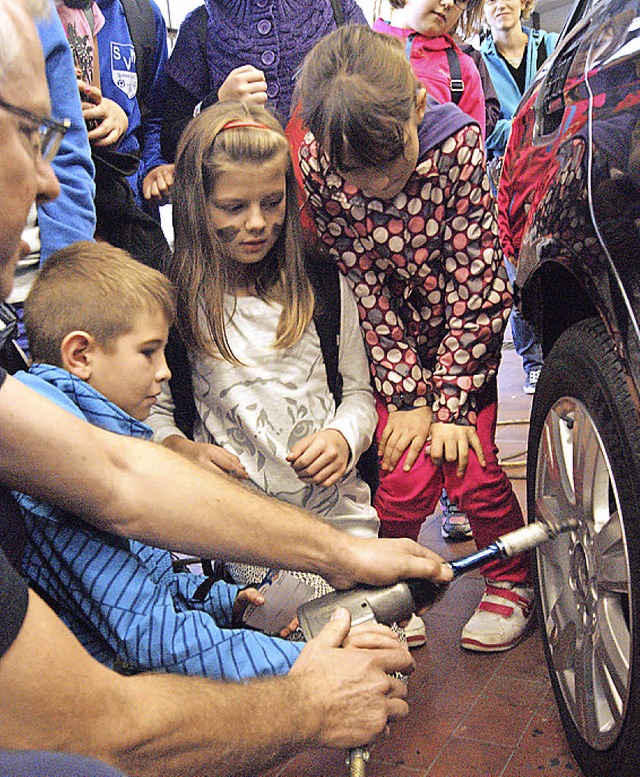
(583, 575)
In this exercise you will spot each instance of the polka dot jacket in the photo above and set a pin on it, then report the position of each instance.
(427, 271)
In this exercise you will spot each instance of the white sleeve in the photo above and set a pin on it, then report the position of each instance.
(356, 416)
(161, 419)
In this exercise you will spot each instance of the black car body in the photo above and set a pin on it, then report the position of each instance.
(570, 204)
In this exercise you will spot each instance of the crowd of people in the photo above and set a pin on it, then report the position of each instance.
(284, 394)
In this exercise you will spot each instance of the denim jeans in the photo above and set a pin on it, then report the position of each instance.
(524, 338)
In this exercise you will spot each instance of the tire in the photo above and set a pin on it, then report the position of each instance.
(584, 464)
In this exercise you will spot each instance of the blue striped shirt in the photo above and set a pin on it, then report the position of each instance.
(122, 598)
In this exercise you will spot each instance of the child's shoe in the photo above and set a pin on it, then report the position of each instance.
(500, 619)
(455, 525)
(415, 632)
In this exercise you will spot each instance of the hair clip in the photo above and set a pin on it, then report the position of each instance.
(238, 123)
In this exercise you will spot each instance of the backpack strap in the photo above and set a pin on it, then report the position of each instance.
(338, 12)
(455, 74)
(325, 279)
(142, 28)
(542, 55)
(180, 383)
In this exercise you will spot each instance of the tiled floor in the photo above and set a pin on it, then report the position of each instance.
(472, 715)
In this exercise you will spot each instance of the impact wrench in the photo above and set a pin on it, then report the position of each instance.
(398, 602)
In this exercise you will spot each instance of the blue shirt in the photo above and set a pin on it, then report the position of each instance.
(119, 82)
(505, 85)
(122, 598)
(71, 216)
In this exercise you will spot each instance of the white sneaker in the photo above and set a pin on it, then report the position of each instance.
(415, 632)
(531, 381)
(500, 619)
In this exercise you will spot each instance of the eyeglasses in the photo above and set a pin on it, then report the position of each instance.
(44, 134)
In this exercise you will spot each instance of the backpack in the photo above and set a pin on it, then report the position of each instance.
(142, 28)
(325, 280)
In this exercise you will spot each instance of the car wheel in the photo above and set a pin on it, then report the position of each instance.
(584, 464)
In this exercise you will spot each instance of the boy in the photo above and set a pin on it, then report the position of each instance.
(97, 323)
(399, 192)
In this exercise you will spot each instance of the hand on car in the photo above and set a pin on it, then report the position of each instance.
(321, 458)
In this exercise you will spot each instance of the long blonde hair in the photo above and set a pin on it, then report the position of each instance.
(198, 269)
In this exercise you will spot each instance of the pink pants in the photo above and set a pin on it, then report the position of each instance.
(404, 499)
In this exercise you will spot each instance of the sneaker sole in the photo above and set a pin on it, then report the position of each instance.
(456, 535)
(416, 642)
(482, 647)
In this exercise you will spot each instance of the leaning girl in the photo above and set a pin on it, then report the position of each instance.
(399, 192)
(250, 320)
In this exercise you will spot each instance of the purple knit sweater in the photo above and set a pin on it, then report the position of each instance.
(272, 35)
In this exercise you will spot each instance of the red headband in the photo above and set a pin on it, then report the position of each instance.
(237, 124)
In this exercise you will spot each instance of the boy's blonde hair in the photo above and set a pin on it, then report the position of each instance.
(199, 268)
(93, 288)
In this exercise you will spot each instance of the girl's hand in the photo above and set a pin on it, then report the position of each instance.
(404, 429)
(321, 458)
(450, 442)
(207, 455)
(244, 84)
(245, 597)
(106, 120)
(157, 184)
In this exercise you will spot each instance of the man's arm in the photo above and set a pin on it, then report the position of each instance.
(56, 697)
(144, 491)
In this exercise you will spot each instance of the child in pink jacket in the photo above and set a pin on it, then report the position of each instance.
(447, 70)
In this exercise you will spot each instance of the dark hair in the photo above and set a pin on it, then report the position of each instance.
(357, 93)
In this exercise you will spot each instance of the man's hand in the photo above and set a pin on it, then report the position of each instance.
(157, 184)
(105, 119)
(350, 696)
(404, 429)
(244, 84)
(385, 562)
(451, 443)
(207, 455)
(372, 636)
(321, 458)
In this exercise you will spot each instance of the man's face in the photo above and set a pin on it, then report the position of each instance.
(24, 177)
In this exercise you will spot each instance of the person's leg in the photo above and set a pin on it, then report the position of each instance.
(487, 497)
(525, 342)
(404, 499)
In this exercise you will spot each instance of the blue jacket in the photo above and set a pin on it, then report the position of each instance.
(119, 82)
(505, 86)
(122, 598)
(71, 216)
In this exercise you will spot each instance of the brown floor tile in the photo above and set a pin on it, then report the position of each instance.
(458, 760)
